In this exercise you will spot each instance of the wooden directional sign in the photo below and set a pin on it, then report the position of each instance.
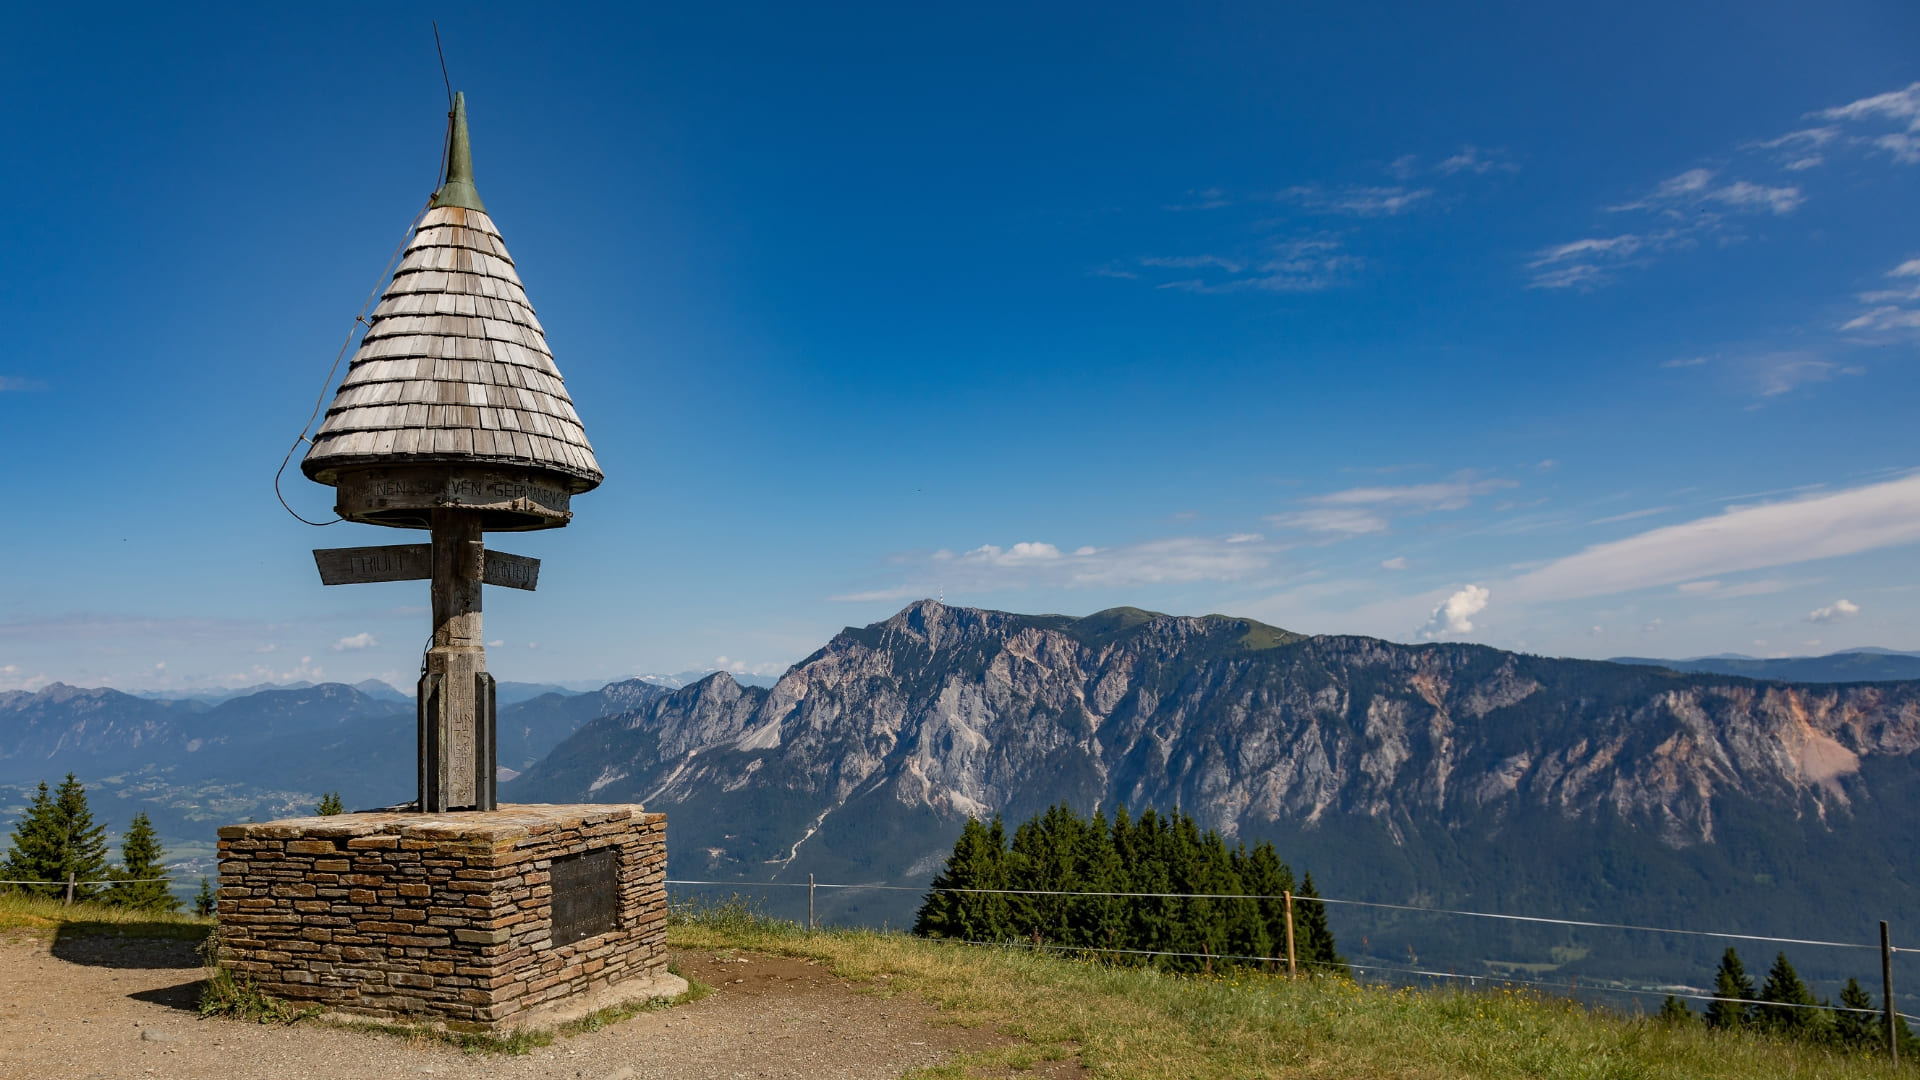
(414, 562)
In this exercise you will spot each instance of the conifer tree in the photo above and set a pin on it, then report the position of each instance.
(1675, 1011)
(141, 875)
(55, 838)
(204, 901)
(1731, 989)
(1264, 875)
(330, 805)
(1854, 1028)
(978, 862)
(1784, 992)
(1317, 947)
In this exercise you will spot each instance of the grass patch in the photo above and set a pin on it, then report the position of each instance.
(20, 911)
(239, 998)
(1138, 1022)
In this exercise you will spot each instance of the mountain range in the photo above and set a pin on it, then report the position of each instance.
(1447, 775)
(1433, 775)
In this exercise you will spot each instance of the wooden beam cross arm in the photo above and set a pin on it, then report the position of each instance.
(414, 562)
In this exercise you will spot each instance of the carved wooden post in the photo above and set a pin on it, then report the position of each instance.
(452, 418)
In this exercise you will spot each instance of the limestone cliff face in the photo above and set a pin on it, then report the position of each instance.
(945, 712)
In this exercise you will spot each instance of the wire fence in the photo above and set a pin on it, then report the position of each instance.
(1360, 969)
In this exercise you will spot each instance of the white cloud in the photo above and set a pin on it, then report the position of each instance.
(1344, 522)
(1584, 262)
(1398, 562)
(1741, 538)
(361, 640)
(1696, 187)
(1359, 201)
(1891, 312)
(1363, 510)
(13, 678)
(1448, 495)
(1470, 160)
(1901, 107)
(1039, 564)
(1307, 265)
(1455, 613)
(1894, 105)
(1839, 609)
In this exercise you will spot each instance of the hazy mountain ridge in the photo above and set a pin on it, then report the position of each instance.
(1855, 665)
(1447, 772)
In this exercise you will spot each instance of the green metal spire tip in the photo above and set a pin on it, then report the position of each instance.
(458, 190)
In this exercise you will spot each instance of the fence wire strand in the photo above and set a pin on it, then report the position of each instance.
(1298, 899)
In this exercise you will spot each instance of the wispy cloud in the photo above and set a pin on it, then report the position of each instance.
(356, 642)
(1695, 188)
(1901, 108)
(1741, 538)
(1358, 201)
(1035, 563)
(1592, 260)
(1799, 150)
(1305, 265)
(1363, 510)
(1895, 311)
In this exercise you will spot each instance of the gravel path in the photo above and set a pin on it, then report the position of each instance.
(106, 1008)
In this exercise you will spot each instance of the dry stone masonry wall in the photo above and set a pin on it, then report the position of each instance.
(450, 918)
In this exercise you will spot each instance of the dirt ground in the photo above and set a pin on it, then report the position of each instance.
(86, 1008)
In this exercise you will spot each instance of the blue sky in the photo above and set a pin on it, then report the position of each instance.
(1586, 333)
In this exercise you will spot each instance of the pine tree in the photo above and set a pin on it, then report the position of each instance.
(1264, 875)
(330, 805)
(57, 837)
(1316, 945)
(1784, 992)
(1675, 1011)
(978, 862)
(204, 901)
(1856, 1029)
(1731, 989)
(142, 861)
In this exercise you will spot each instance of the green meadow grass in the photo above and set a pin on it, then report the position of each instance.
(1139, 1023)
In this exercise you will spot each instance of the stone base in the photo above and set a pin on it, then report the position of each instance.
(478, 921)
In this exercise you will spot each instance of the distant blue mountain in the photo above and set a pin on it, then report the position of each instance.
(1855, 665)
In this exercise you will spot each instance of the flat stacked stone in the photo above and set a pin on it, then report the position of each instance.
(446, 918)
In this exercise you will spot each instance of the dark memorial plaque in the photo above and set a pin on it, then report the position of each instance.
(585, 896)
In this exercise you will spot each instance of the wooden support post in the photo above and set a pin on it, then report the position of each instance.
(1292, 966)
(1886, 994)
(456, 694)
(70, 898)
(810, 922)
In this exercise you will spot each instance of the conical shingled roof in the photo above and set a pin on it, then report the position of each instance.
(454, 368)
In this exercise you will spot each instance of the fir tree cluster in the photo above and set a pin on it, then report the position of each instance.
(1783, 1005)
(1061, 852)
(57, 841)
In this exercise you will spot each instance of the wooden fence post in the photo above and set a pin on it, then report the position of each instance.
(70, 893)
(1292, 967)
(1886, 991)
(810, 922)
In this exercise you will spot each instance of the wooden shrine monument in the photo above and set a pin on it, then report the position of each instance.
(454, 910)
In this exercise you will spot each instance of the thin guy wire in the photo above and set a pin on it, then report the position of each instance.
(321, 401)
(1303, 899)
